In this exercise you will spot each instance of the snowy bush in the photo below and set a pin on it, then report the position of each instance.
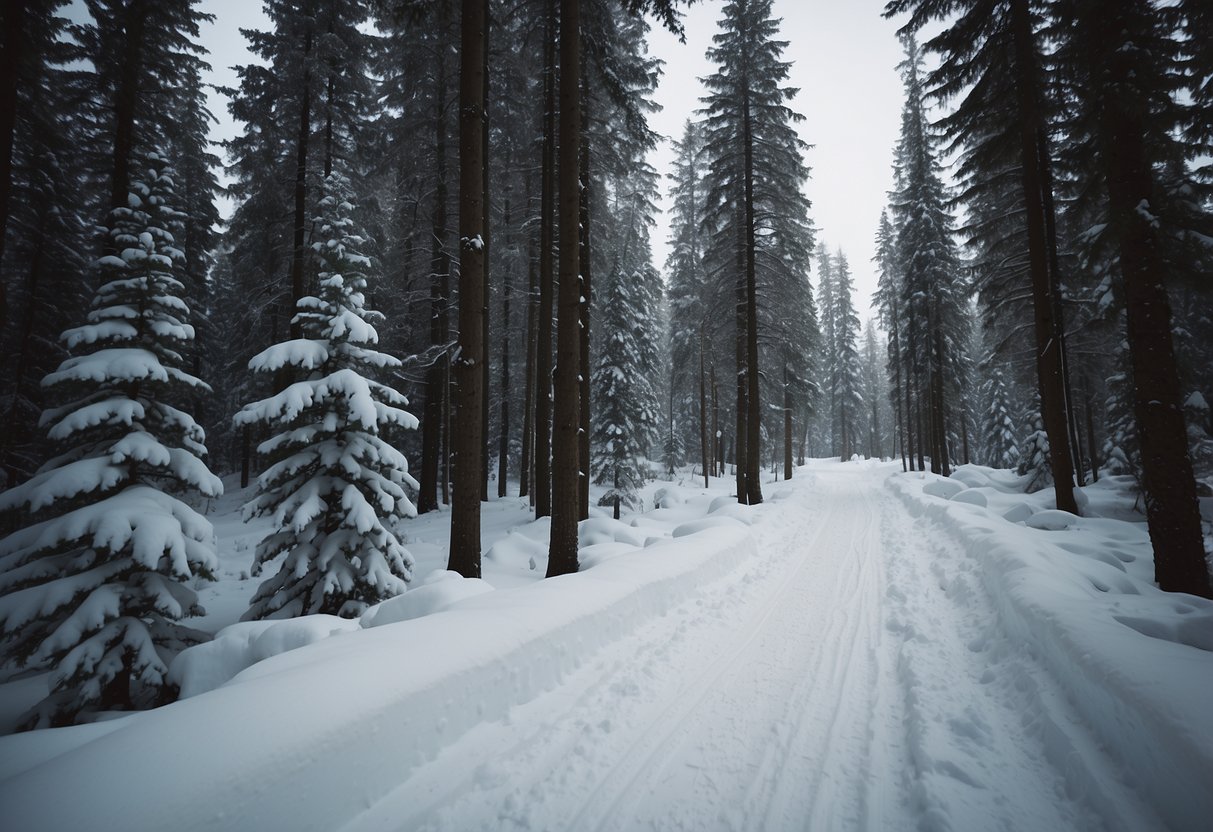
(1034, 457)
(94, 579)
(335, 486)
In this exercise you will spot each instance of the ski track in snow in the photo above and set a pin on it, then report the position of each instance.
(851, 676)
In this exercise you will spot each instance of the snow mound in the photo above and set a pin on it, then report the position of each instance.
(714, 522)
(1018, 513)
(607, 530)
(439, 591)
(1051, 520)
(239, 646)
(517, 550)
(971, 496)
(945, 488)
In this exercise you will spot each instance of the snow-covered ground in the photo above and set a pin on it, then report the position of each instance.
(866, 650)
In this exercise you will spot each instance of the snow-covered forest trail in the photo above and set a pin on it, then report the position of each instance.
(852, 676)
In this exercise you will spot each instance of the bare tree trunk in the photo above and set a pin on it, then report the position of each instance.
(1092, 445)
(299, 246)
(503, 443)
(487, 258)
(543, 348)
(1048, 325)
(433, 426)
(787, 425)
(468, 442)
(583, 383)
(754, 420)
(526, 460)
(703, 415)
(562, 546)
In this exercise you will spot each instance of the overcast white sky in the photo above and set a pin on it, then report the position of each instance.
(844, 57)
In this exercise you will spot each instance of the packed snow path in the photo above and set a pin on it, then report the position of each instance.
(851, 676)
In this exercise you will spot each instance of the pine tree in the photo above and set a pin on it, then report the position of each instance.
(626, 403)
(756, 211)
(94, 581)
(1034, 457)
(998, 427)
(335, 486)
(848, 371)
(932, 293)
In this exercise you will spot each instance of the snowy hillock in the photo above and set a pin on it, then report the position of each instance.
(1136, 662)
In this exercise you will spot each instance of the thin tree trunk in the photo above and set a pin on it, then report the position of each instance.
(1048, 326)
(486, 256)
(740, 434)
(543, 347)
(503, 442)
(754, 421)
(126, 101)
(562, 547)
(787, 424)
(583, 383)
(703, 415)
(526, 460)
(302, 137)
(433, 430)
(1092, 446)
(717, 439)
(468, 442)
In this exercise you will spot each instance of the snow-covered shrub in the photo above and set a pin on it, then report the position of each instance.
(335, 486)
(1034, 457)
(94, 579)
(999, 426)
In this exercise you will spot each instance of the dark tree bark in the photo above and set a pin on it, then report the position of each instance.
(543, 346)
(787, 424)
(503, 442)
(526, 461)
(299, 224)
(754, 418)
(1172, 509)
(126, 101)
(13, 18)
(703, 414)
(487, 257)
(562, 547)
(468, 441)
(740, 434)
(433, 425)
(583, 383)
(1045, 302)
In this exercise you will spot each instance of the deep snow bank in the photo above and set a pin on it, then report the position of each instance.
(1135, 661)
(307, 738)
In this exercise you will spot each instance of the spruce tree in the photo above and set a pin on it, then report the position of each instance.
(998, 427)
(94, 582)
(336, 484)
(848, 371)
(627, 409)
(756, 211)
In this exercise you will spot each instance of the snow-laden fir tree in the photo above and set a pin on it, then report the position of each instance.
(998, 427)
(335, 486)
(848, 367)
(626, 405)
(94, 581)
(1034, 456)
